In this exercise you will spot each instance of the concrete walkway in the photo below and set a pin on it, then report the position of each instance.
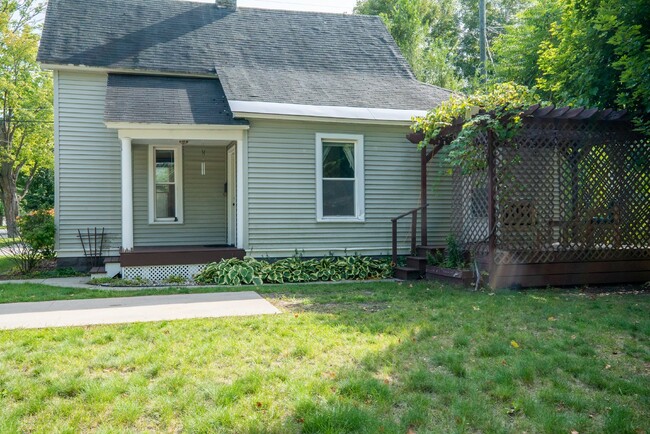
(68, 282)
(132, 309)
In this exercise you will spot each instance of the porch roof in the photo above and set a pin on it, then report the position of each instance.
(167, 100)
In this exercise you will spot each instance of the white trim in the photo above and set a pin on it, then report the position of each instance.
(244, 170)
(359, 175)
(85, 68)
(191, 127)
(253, 109)
(127, 194)
(240, 194)
(181, 133)
(231, 195)
(178, 185)
(57, 187)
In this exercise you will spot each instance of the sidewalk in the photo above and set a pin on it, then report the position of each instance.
(64, 313)
(65, 282)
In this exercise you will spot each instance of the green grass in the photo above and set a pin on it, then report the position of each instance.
(342, 358)
(6, 265)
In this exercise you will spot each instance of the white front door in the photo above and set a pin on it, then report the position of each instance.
(232, 195)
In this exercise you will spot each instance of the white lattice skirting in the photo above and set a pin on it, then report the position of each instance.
(159, 273)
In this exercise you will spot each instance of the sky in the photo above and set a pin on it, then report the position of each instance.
(336, 6)
(333, 6)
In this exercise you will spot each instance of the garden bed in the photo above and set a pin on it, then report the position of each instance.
(450, 275)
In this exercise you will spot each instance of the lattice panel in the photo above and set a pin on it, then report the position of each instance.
(159, 273)
(470, 212)
(563, 191)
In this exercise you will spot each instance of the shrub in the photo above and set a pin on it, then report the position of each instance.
(293, 270)
(37, 230)
(452, 257)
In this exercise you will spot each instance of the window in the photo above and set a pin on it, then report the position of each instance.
(339, 178)
(165, 180)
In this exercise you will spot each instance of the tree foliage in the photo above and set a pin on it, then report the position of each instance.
(496, 110)
(26, 136)
(592, 53)
(425, 31)
(439, 38)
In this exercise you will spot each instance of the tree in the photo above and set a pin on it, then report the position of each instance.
(593, 53)
(40, 195)
(499, 14)
(439, 38)
(26, 136)
(425, 31)
(516, 51)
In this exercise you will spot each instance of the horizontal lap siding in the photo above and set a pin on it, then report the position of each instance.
(89, 186)
(204, 204)
(282, 191)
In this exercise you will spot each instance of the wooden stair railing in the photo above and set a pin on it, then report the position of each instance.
(414, 225)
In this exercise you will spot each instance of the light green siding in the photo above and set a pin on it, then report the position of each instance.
(88, 183)
(204, 203)
(280, 184)
(281, 191)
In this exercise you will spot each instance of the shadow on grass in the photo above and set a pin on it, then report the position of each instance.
(463, 362)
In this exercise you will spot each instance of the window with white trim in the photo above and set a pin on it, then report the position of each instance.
(339, 177)
(165, 184)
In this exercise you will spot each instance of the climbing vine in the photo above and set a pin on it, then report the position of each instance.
(498, 111)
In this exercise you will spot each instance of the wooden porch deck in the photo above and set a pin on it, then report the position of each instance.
(563, 268)
(178, 255)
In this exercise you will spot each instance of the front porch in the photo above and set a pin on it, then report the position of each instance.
(178, 255)
(161, 263)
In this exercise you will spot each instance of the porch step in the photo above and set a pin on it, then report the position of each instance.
(419, 262)
(97, 272)
(407, 273)
(424, 250)
(112, 266)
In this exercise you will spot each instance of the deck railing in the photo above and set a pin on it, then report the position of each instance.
(414, 226)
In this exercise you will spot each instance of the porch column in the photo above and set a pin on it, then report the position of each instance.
(127, 194)
(240, 193)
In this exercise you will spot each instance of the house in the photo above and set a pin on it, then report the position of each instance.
(189, 132)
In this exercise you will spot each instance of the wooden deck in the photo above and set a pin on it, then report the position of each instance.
(570, 273)
(178, 255)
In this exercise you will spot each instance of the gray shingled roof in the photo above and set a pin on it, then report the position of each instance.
(259, 55)
(166, 100)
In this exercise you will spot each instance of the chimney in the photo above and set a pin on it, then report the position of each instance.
(226, 4)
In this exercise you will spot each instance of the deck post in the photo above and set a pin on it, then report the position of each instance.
(492, 245)
(423, 194)
(127, 195)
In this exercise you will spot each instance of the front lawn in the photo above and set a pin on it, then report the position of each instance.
(383, 357)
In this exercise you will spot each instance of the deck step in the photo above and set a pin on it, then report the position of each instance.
(111, 259)
(97, 272)
(425, 250)
(407, 273)
(419, 262)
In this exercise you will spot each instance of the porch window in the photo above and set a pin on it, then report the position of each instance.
(165, 181)
(339, 178)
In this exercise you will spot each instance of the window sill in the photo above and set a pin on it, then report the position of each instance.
(341, 220)
(180, 222)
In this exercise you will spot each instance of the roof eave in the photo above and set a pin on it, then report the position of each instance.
(271, 110)
(111, 70)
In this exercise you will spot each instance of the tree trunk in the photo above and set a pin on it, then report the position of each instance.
(9, 197)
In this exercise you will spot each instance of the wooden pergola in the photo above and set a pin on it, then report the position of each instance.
(565, 202)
